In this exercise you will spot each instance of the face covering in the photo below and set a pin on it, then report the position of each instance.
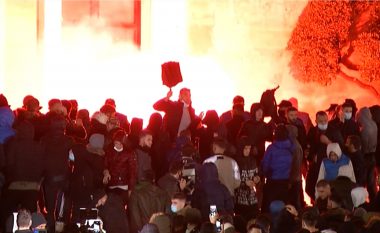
(322, 126)
(118, 150)
(347, 115)
(173, 208)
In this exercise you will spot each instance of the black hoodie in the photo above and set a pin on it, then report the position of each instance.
(57, 146)
(24, 157)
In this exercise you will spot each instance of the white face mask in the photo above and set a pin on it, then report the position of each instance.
(347, 115)
(323, 126)
(118, 150)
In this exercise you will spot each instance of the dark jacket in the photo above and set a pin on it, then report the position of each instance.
(56, 155)
(77, 132)
(38, 120)
(144, 162)
(257, 132)
(25, 156)
(233, 127)
(145, 200)
(210, 191)
(113, 215)
(121, 166)
(87, 176)
(169, 183)
(173, 114)
(277, 160)
(358, 163)
(227, 116)
(346, 128)
(316, 147)
(160, 146)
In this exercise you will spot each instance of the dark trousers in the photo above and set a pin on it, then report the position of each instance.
(370, 161)
(123, 194)
(275, 190)
(52, 191)
(296, 197)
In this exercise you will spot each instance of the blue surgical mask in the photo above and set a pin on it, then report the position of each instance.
(323, 127)
(347, 115)
(173, 208)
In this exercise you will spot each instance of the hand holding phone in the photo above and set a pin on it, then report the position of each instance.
(213, 214)
(218, 225)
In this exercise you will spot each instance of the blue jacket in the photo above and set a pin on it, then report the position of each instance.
(277, 160)
(6, 121)
(332, 168)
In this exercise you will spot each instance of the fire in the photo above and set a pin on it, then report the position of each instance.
(240, 47)
(84, 63)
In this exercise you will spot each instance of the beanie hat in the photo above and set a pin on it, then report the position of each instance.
(97, 141)
(359, 196)
(334, 147)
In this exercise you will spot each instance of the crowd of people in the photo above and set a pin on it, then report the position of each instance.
(186, 173)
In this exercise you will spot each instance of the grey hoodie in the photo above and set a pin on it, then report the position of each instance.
(368, 130)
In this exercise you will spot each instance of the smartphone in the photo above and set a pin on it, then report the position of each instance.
(218, 225)
(213, 210)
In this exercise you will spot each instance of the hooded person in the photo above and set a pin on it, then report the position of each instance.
(207, 133)
(160, 146)
(375, 112)
(276, 166)
(336, 164)
(56, 162)
(86, 183)
(257, 131)
(368, 130)
(246, 199)
(24, 169)
(359, 196)
(210, 191)
(368, 135)
(145, 200)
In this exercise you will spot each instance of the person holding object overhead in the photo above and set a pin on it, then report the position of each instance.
(178, 114)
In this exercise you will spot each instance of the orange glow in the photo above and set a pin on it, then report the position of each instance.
(224, 48)
(84, 63)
